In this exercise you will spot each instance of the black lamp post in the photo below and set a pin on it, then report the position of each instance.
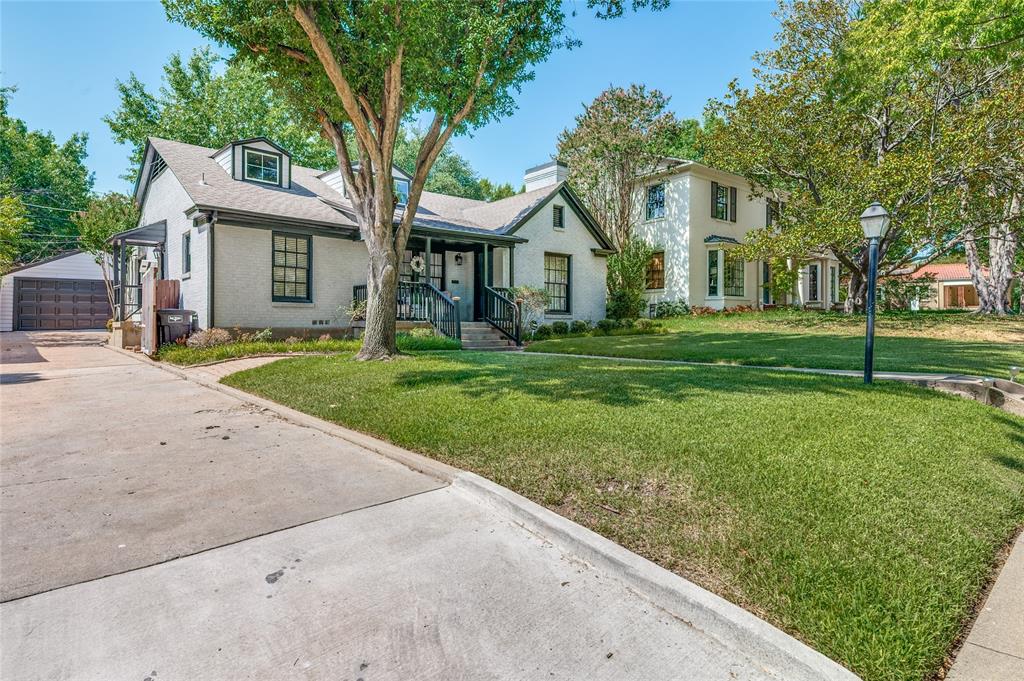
(875, 223)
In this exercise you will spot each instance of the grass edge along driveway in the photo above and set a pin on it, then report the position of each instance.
(863, 520)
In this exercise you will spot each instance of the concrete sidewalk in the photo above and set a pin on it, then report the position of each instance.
(293, 549)
(994, 648)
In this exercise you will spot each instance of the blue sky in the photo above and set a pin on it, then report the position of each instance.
(64, 58)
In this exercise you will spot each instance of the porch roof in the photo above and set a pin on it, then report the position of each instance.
(153, 234)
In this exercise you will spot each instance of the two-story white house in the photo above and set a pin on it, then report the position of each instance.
(695, 216)
(257, 241)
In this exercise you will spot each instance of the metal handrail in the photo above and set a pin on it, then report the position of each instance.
(421, 301)
(502, 313)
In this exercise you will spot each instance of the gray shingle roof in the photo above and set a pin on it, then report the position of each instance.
(310, 199)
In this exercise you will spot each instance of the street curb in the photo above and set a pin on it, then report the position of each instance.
(731, 625)
(734, 627)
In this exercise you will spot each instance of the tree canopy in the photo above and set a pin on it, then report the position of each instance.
(106, 216)
(915, 105)
(621, 136)
(209, 101)
(42, 183)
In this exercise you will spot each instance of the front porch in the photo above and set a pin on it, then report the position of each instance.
(448, 281)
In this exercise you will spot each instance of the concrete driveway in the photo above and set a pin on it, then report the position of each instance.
(155, 529)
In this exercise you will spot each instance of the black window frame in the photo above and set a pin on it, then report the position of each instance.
(814, 292)
(655, 210)
(548, 283)
(730, 289)
(713, 272)
(245, 166)
(186, 254)
(558, 216)
(720, 201)
(274, 267)
(654, 278)
(833, 284)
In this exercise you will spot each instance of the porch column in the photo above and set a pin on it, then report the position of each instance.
(486, 279)
(511, 265)
(121, 279)
(429, 268)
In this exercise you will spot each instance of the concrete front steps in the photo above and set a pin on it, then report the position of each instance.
(483, 336)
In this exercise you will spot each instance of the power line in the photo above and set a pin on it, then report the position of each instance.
(66, 210)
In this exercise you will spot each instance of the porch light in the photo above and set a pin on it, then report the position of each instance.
(458, 259)
(874, 221)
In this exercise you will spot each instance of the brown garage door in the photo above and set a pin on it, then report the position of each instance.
(41, 304)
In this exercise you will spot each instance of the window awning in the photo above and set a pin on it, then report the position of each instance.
(154, 234)
(718, 239)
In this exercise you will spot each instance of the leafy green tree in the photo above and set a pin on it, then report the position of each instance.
(43, 183)
(496, 192)
(620, 136)
(106, 216)
(851, 107)
(627, 279)
(357, 70)
(14, 222)
(199, 105)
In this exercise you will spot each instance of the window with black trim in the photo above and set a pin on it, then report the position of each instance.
(556, 282)
(406, 272)
(656, 271)
(261, 166)
(833, 284)
(712, 273)
(186, 253)
(655, 201)
(734, 269)
(813, 283)
(558, 217)
(719, 201)
(292, 268)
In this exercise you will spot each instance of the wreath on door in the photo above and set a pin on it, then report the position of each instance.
(418, 264)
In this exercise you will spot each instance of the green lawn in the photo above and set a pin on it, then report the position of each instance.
(864, 520)
(182, 355)
(926, 342)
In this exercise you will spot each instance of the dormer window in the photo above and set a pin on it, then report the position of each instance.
(262, 167)
(402, 191)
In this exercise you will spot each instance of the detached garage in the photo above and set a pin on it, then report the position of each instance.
(62, 292)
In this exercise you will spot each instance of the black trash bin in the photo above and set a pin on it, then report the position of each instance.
(172, 324)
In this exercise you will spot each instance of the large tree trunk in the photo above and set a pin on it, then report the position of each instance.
(856, 293)
(1003, 241)
(379, 336)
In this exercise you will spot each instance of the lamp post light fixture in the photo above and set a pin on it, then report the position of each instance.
(875, 223)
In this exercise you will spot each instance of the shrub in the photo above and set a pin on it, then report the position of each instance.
(292, 340)
(324, 337)
(701, 310)
(580, 326)
(263, 336)
(627, 280)
(543, 331)
(671, 308)
(607, 325)
(739, 309)
(560, 328)
(208, 338)
(627, 323)
(422, 332)
(646, 324)
(534, 303)
(355, 312)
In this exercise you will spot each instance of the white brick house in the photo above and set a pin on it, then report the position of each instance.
(695, 216)
(259, 242)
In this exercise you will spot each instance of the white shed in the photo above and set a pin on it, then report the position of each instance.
(62, 292)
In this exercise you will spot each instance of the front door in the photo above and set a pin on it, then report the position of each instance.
(459, 272)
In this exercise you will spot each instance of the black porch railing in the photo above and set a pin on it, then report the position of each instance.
(420, 301)
(502, 313)
(127, 300)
